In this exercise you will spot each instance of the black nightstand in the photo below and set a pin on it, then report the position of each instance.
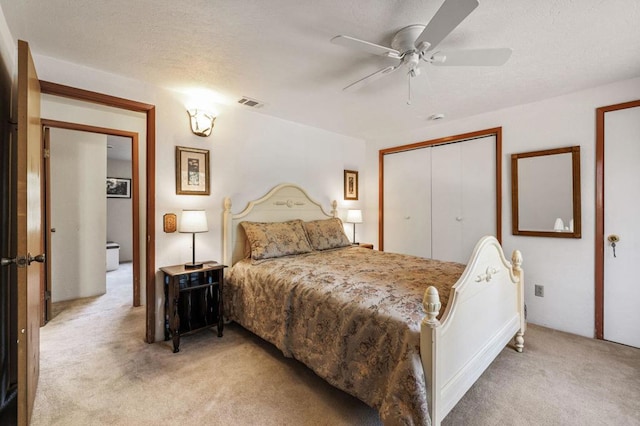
(193, 300)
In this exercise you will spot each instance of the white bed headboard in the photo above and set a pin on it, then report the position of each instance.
(286, 201)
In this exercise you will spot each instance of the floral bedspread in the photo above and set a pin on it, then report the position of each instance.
(352, 315)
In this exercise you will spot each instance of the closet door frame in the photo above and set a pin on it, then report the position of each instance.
(496, 132)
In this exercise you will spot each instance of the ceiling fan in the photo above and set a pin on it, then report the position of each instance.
(414, 43)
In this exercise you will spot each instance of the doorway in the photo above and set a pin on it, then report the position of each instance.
(617, 239)
(79, 219)
(148, 237)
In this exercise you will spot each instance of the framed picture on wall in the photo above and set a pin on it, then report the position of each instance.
(118, 187)
(192, 171)
(350, 185)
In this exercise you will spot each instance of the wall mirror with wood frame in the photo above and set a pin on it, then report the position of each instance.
(545, 193)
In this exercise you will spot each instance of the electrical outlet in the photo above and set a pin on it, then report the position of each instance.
(539, 289)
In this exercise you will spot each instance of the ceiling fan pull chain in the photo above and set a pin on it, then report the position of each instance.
(409, 94)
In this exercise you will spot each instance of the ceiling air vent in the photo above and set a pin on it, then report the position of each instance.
(250, 102)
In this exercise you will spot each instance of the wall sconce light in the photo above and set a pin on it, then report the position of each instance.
(193, 221)
(201, 121)
(354, 216)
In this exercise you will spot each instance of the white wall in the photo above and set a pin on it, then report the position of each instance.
(119, 219)
(8, 53)
(78, 213)
(564, 266)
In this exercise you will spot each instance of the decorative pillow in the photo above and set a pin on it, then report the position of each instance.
(326, 234)
(276, 239)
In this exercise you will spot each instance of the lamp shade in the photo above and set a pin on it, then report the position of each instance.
(558, 226)
(193, 221)
(201, 121)
(354, 216)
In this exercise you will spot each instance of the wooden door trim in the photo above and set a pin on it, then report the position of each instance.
(150, 111)
(46, 214)
(61, 90)
(600, 196)
(496, 131)
(135, 192)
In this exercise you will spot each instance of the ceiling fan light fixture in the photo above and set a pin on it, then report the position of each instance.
(415, 42)
(423, 47)
(412, 59)
(438, 58)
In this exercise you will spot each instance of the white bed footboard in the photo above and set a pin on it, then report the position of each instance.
(485, 310)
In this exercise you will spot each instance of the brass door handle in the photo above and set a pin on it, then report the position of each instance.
(39, 258)
(20, 261)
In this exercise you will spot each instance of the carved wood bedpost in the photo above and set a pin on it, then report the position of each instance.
(428, 350)
(431, 304)
(516, 260)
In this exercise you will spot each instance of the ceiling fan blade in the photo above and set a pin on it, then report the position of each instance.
(365, 46)
(371, 78)
(472, 57)
(446, 19)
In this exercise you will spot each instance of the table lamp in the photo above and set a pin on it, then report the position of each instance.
(193, 221)
(354, 216)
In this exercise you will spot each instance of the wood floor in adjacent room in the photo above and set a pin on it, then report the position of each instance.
(96, 370)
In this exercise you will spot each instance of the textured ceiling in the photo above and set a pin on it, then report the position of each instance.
(278, 52)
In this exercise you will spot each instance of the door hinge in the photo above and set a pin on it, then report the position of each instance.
(46, 153)
(47, 295)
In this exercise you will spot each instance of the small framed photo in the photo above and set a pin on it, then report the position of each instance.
(350, 185)
(192, 171)
(118, 187)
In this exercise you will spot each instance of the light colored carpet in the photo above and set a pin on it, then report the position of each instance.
(96, 370)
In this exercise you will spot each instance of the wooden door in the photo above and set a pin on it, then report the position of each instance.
(29, 231)
(621, 213)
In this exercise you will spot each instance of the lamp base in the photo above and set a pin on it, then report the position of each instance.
(193, 265)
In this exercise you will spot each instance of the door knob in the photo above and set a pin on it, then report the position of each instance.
(20, 261)
(39, 258)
